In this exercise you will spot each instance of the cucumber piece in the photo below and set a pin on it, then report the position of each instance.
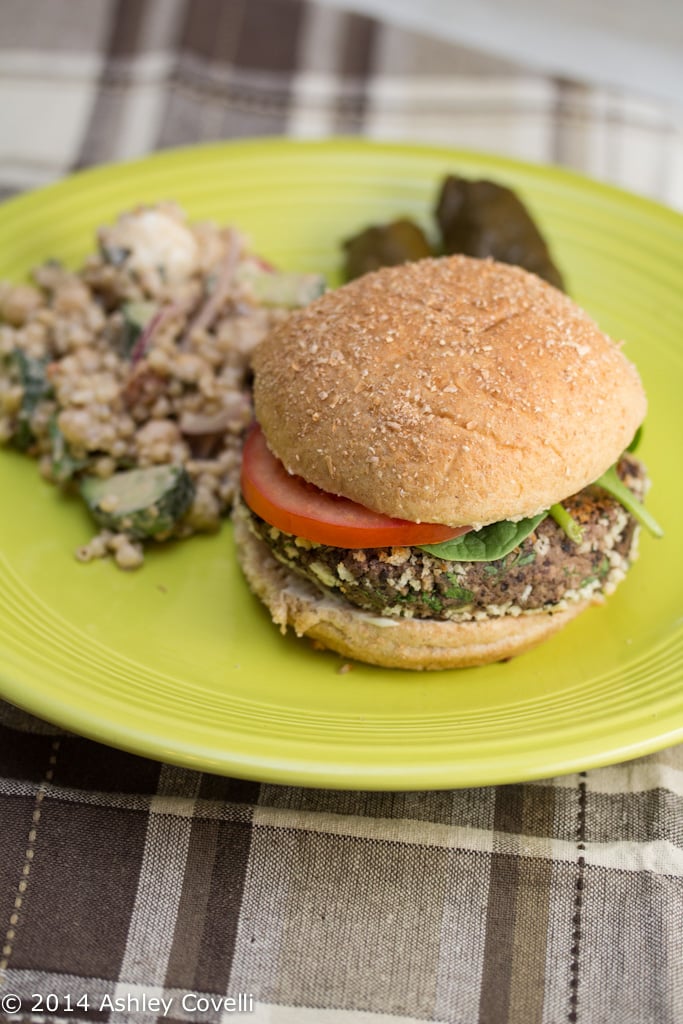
(31, 374)
(136, 317)
(141, 502)
(280, 288)
(64, 465)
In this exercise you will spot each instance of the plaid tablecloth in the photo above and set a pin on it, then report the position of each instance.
(134, 891)
(124, 881)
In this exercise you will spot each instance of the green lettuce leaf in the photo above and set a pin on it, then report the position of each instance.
(485, 545)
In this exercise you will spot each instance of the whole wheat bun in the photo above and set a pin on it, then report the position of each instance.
(392, 643)
(452, 390)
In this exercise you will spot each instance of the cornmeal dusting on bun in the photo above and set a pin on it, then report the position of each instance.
(452, 390)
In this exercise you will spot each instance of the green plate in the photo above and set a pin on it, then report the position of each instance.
(180, 663)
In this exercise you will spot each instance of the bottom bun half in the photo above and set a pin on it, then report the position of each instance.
(391, 643)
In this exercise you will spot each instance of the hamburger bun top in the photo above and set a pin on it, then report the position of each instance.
(452, 390)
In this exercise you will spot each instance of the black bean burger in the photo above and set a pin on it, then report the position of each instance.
(438, 476)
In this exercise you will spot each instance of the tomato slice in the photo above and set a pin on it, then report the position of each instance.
(299, 508)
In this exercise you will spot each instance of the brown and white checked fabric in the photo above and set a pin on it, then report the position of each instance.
(88, 81)
(124, 881)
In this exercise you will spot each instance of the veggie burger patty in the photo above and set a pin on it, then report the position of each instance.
(547, 570)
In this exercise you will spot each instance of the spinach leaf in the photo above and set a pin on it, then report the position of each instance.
(485, 545)
(611, 482)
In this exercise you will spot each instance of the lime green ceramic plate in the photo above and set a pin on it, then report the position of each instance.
(180, 663)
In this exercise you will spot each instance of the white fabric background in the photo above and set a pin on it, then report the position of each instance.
(628, 44)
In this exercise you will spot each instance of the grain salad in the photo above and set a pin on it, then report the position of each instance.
(128, 378)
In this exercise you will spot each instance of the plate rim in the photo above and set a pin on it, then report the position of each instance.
(289, 771)
(544, 168)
